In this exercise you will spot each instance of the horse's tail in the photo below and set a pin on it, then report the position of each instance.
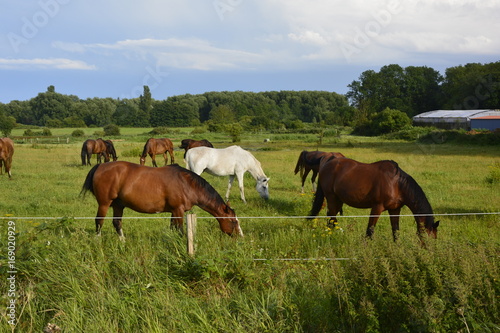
(300, 163)
(84, 153)
(319, 198)
(146, 147)
(88, 185)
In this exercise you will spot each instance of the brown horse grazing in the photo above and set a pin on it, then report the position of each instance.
(153, 190)
(309, 161)
(90, 147)
(158, 146)
(187, 144)
(6, 152)
(110, 149)
(380, 186)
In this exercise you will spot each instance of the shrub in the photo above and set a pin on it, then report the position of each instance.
(111, 130)
(159, 130)
(494, 176)
(78, 133)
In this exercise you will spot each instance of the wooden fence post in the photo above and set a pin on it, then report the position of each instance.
(191, 233)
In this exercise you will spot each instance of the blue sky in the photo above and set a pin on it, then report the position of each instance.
(112, 48)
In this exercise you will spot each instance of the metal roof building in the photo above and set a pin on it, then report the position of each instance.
(451, 119)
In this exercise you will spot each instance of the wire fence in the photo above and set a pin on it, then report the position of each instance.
(249, 217)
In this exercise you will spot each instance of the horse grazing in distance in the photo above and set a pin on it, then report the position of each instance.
(110, 149)
(157, 146)
(6, 153)
(309, 161)
(187, 144)
(90, 147)
(232, 161)
(379, 186)
(154, 190)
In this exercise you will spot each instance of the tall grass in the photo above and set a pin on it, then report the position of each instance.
(285, 275)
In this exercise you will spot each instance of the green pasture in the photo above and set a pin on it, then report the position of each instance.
(286, 275)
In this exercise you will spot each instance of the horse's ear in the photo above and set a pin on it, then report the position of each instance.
(436, 224)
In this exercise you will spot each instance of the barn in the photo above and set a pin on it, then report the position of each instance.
(456, 119)
(490, 123)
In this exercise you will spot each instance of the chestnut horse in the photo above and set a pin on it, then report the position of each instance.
(90, 147)
(154, 190)
(157, 146)
(380, 186)
(187, 144)
(309, 161)
(6, 152)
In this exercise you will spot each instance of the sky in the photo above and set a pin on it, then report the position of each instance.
(112, 48)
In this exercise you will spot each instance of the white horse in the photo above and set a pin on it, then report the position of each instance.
(232, 161)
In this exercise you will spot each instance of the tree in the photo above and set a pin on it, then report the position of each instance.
(7, 123)
(388, 121)
(145, 104)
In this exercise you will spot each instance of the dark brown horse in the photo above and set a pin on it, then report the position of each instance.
(380, 186)
(187, 144)
(90, 147)
(158, 146)
(309, 161)
(153, 190)
(6, 152)
(110, 149)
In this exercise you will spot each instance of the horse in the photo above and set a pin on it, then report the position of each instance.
(309, 161)
(157, 146)
(232, 161)
(152, 190)
(90, 147)
(380, 186)
(6, 152)
(110, 149)
(187, 144)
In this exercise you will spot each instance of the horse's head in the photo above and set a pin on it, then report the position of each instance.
(263, 187)
(142, 160)
(230, 224)
(431, 227)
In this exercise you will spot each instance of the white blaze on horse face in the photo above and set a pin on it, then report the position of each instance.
(263, 187)
(240, 232)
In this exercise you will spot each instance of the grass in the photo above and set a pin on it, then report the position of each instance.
(83, 283)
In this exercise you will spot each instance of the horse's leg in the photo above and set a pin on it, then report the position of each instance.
(117, 220)
(304, 176)
(165, 158)
(229, 185)
(394, 216)
(153, 159)
(176, 221)
(313, 180)
(240, 178)
(372, 221)
(172, 158)
(99, 219)
(334, 206)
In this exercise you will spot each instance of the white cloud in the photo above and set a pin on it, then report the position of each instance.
(50, 63)
(173, 52)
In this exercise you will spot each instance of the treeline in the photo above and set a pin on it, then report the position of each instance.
(411, 90)
(265, 109)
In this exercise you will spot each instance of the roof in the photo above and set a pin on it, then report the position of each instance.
(488, 117)
(449, 114)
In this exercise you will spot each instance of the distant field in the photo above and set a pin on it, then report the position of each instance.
(83, 283)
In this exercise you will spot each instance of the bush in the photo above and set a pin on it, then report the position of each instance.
(111, 130)
(78, 133)
(494, 176)
(159, 130)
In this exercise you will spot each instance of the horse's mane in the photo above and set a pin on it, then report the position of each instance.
(200, 182)
(412, 192)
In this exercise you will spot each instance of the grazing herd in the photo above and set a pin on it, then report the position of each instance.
(379, 186)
